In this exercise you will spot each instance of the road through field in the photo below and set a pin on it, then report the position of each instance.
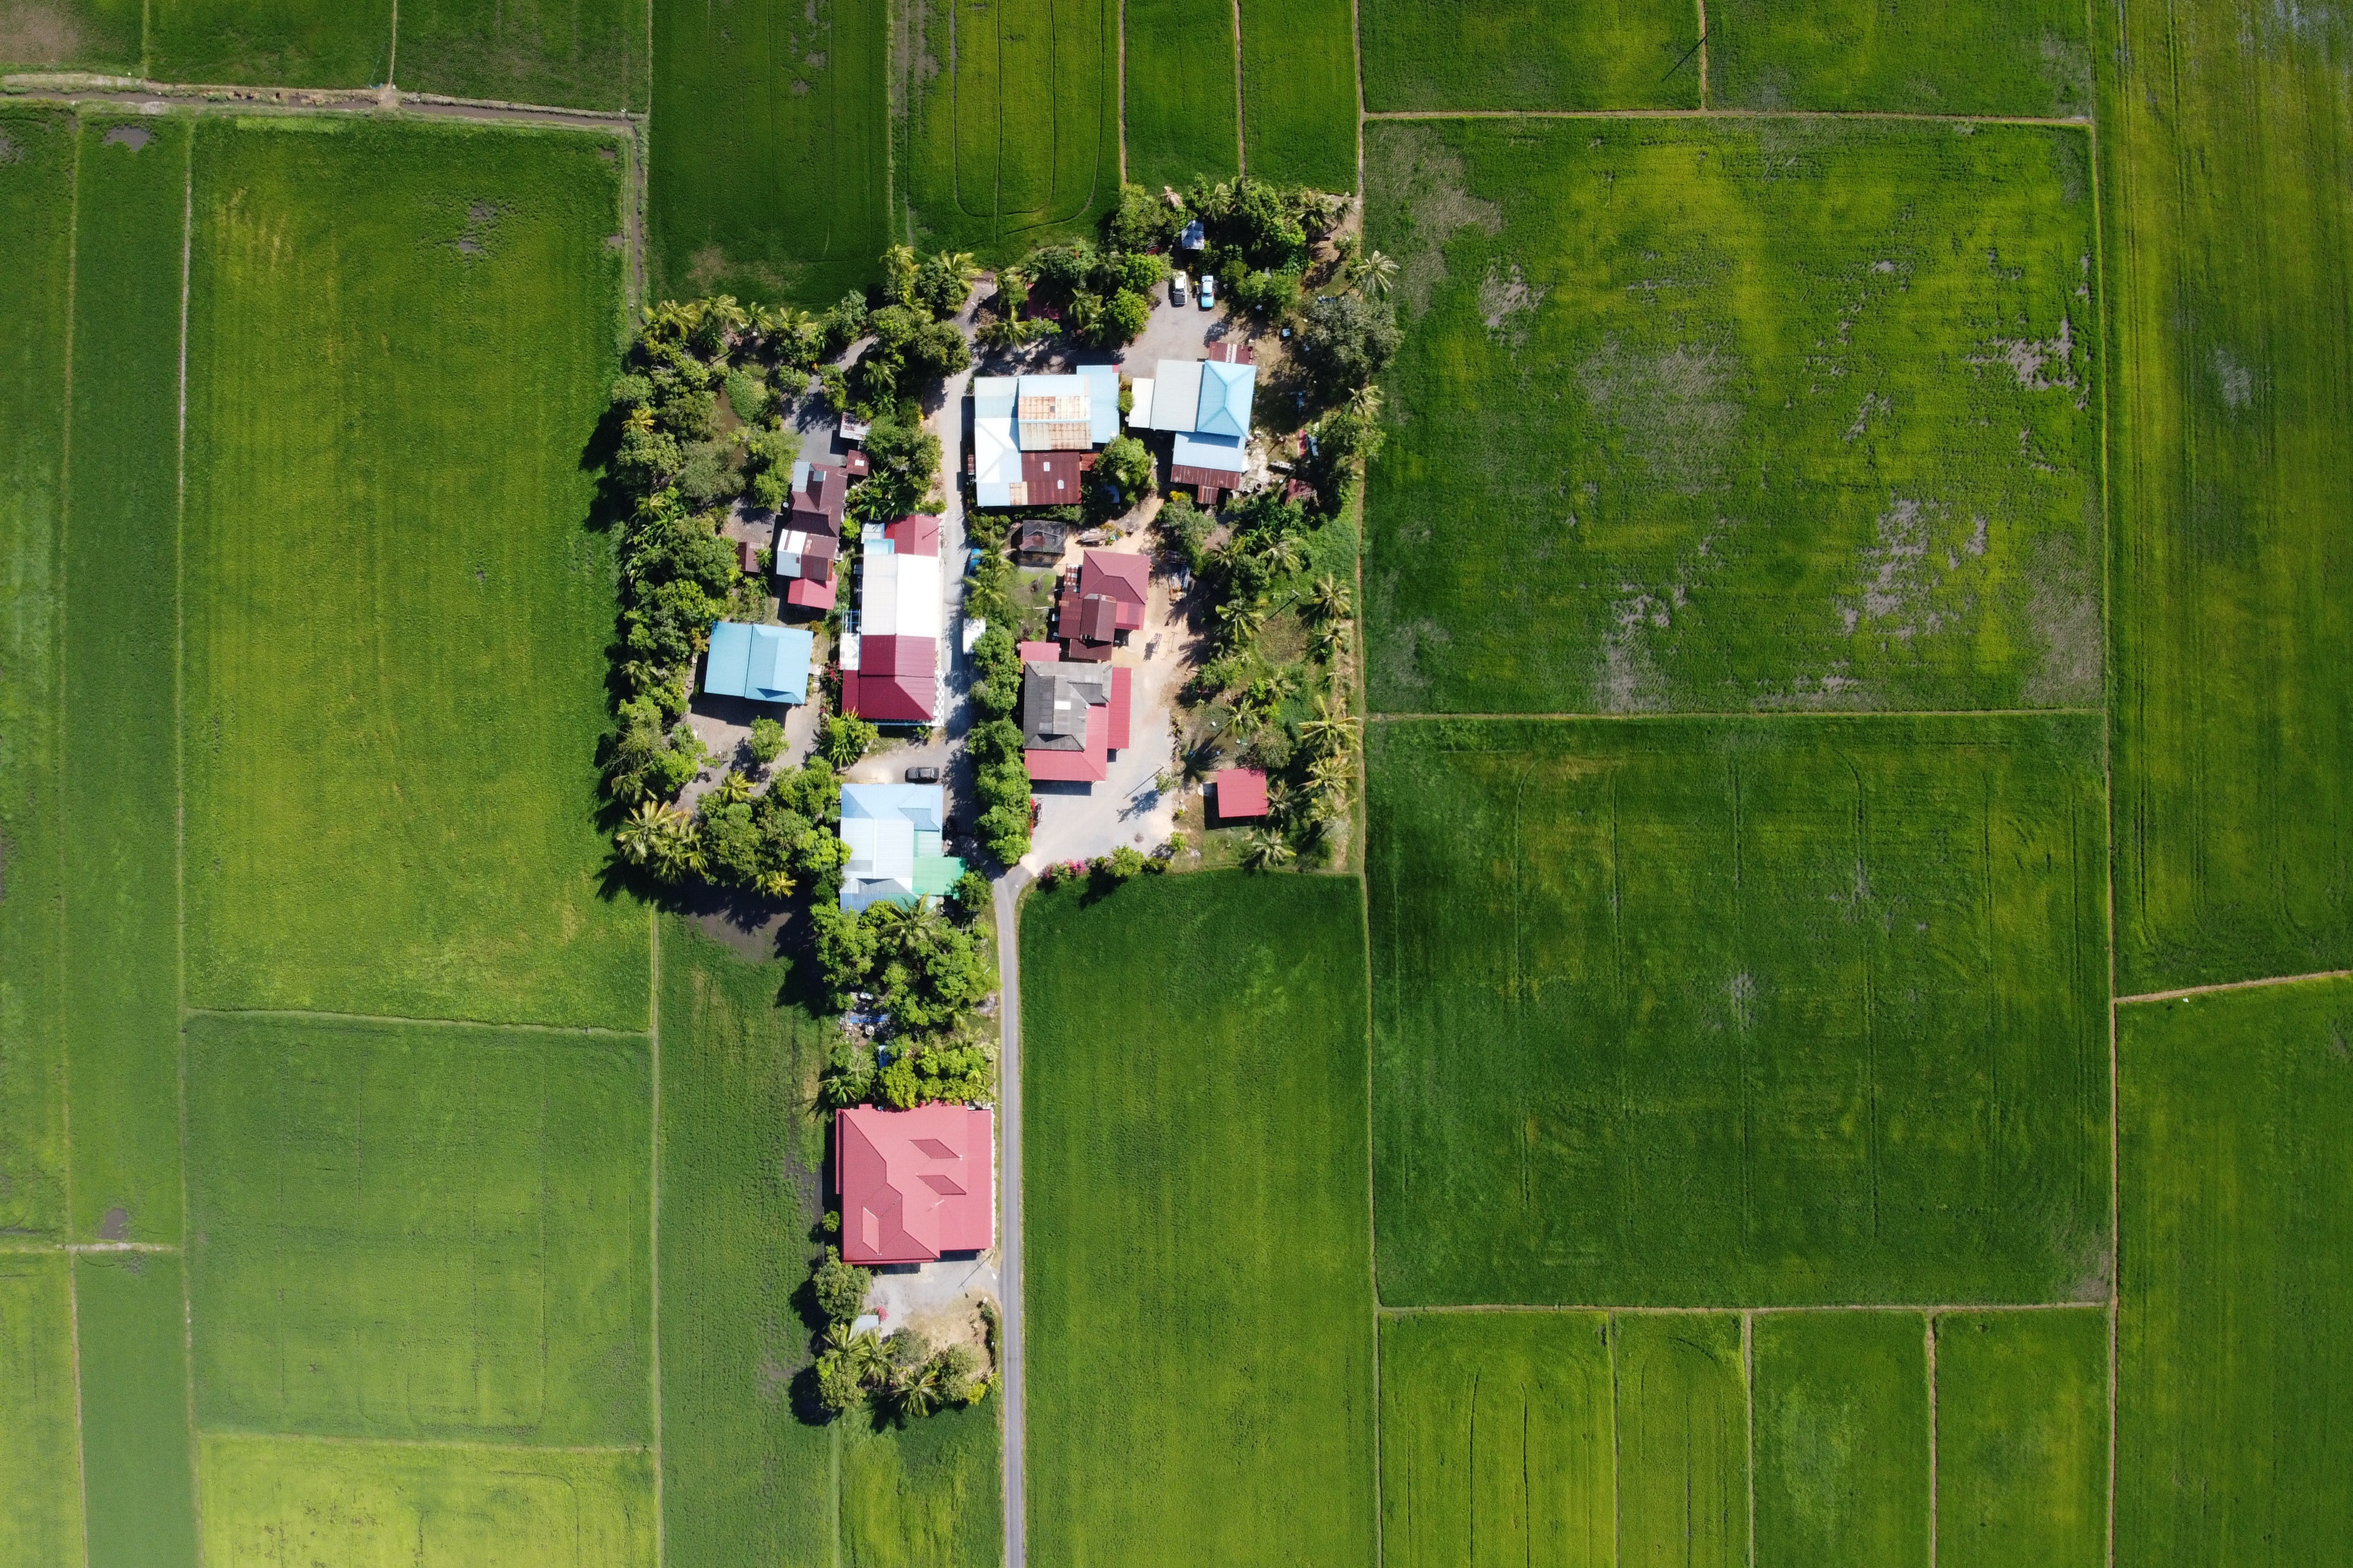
(1008, 1178)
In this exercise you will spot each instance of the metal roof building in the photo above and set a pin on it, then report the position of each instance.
(1015, 416)
(893, 832)
(914, 1183)
(765, 664)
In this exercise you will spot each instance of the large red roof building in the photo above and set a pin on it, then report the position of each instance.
(915, 1185)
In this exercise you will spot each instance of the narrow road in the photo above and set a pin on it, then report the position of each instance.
(1009, 1186)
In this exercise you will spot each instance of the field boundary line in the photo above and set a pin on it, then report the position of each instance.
(470, 1444)
(1748, 1399)
(1758, 713)
(180, 842)
(1928, 1334)
(77, 1248)
(653, 1212)
(1701, 46)
(392, 49)
(231, 98)
(312, 1016)
(1755, 1310)
(2065, 123)
(1242, 136)
(2180, 992)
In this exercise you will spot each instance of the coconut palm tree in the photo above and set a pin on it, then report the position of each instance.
(734, 789)
(641, 420)
(1365, 403)
(1263, 851)
(1281, 554)
(1329, 600)
(1375, 274)
(1239, 623)
(899, 269)
(1330, 729)
(641, 831)
(1334, 640)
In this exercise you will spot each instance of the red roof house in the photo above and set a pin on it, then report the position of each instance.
(896, 680)
(1074, 714)
(914, 1183)
(804, 560)
(817, 497)
(1122, 576)
(1241, 793)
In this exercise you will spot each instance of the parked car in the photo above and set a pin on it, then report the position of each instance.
(1177, 284)
(1209, 291)
(923, 776)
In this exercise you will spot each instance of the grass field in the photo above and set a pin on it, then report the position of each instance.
(2226, 154)
(291, 42)
(1183, 105)
(2023, 1440)
(2237, 1277)
(1530, 53)
(930, 1494)
(1201, 1335)
(1719, 416)
(588, 52)
(120, 735)
(40, 1473)
(396, 616)
(1683, 1442)
(1744, 1013)
(744, 1480)
(1841, 1439)
(1918, 56)
(420, 1230)
(769, 153)
(70, 35)
(138, 1488)
(1299, 92)
(1008, 114)
(36, 211)
(378, 1505)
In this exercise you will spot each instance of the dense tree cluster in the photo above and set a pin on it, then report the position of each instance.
(924, 964)
(901, 1373)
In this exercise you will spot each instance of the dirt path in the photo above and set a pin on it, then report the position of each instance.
(1009, 1182)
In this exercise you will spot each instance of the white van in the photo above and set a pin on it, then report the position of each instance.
(1177, 284)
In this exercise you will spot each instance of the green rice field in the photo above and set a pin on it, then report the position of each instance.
(2225, 154)
(1199, 1346)
(2022, 1439)
(40, 1473)
(591, 54)
(1008, 122)
(769, 156)
(70, 35)
(1918, 57)
(1842, 1439)
(1299, 92)
(2236, 1296)
(925, 1494)
(394, 659)
(1529, 54)
(1736, 416)
(1730, 1012)
(290, 43)
(1183, 104)
(384, 1505)
(1683, 1442)
(137, 1445)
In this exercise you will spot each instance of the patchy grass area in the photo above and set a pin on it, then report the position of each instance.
(120, 715)
(1009, 121)
(770, 172)
(137, 1450)
(37, 213)
(40, 1477)
(1915, 57)
(2233, 453)
(397, 613)
(590, 54)
(70, 35)
(2022, 1439)
(1201, 1312)
(420, 1231)
(1758, 414)
(1842, 1439)
(1299, 92)
(387, 1505)
(1739, 1011)
(278, 43)
(1184, 114)
(1530, 53)
(2236, 1308)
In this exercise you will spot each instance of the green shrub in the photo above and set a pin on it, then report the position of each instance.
(766, 742)
(846, 739)
(841, 1288)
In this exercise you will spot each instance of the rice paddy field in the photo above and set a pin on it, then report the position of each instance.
(1919, 57)
(1008, 120)
(138, 1474)
(1197, 1266)
(70, 35)
(586, 54)
(1755, 414)
(1529, 54)
(1299, 92)
(40, 1471)
(279, 43)
(769, 169)
(1183, 101)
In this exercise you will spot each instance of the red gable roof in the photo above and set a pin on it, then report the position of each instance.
(809, 594)
(820, 506)
(918, 533)
(1241, 793)
(1122, 576)
(896, 682)
(1122, 686)
(914, 1183)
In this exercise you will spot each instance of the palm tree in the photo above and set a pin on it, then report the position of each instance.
(733, 790)
(1331, 729)
(676, 850)
(1375, 274)
(777, 883)
(641, 420)
(898, 266)
(1333, 641)
(1239, 623)
(1329, 599)
(920, 1390)
(1263, 851)
(1329, 778)
(641, 832)
(1365, 403)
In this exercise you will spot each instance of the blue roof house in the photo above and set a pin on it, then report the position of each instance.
(1206, 403)
(893, 834)
(765, 664)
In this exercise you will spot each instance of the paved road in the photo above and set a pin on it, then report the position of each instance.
(1008, 1180)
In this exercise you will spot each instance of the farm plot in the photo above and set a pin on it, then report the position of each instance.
(1299, 92)
(1841, 1439)
(1920, 57)
(396, 611)
(1739, 1011)
(383, 1505)
(35, 212)
(286, 43)
(419, 1231)
(1719, 416)
(1183, 103)
(119, 703)
(70, 35)
(1530, 53)
(770, 154)
(138, 1452)
(927, 1494)
(40, 1483)
(2236, 1302)
(745, 1479)
(591, 54)
(1198, 1288)
(2022, 1439)
(2226, 151)
(1010, 120)
(1683, 1442)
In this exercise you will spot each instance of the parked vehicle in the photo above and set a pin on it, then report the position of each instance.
(1208, 290)
(923, 776)
(1177, 284)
